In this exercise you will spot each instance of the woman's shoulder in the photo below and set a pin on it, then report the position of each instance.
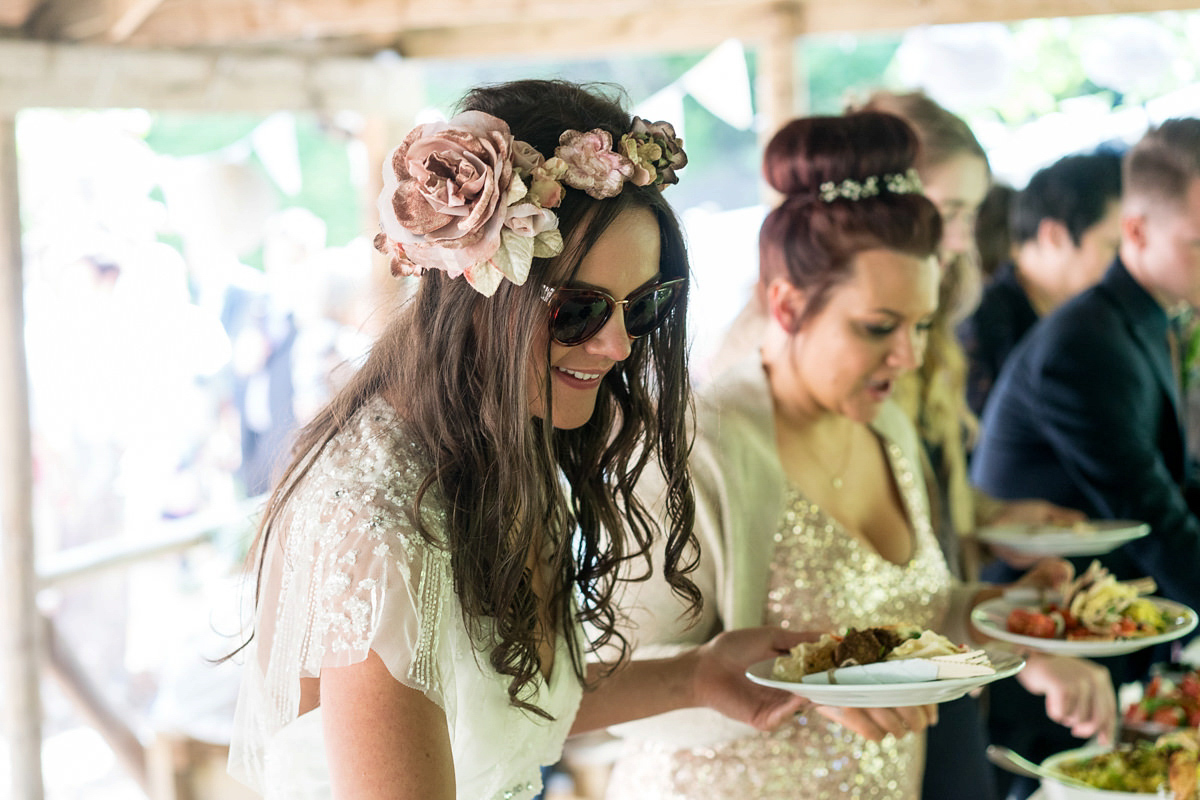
(372, 467)
(373, 446)
(737, 402)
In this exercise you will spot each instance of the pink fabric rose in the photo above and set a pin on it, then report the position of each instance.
(398, 262)
(525, 158)
(592, 165)
(444, 192)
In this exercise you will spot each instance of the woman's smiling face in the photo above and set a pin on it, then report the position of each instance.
(871, 330)
(624, 258)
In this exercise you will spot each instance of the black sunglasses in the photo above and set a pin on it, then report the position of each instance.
(577, 315)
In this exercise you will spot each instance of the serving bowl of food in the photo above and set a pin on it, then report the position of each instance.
(1166, 768)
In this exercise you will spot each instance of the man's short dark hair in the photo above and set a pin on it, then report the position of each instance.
(1076, 190)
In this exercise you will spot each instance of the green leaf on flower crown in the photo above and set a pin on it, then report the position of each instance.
(516, 190)
(514, 256)
(548, 243)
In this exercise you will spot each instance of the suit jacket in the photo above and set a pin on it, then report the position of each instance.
(1086, 414)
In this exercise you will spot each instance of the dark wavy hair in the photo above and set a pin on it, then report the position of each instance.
(812, 242)
(456, 365)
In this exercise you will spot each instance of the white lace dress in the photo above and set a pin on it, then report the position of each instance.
(347, 573)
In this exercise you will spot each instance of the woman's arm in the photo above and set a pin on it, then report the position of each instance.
(383, 739)
(711, 676)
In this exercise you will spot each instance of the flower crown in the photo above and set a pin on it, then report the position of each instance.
(897, 183)
(467, 198)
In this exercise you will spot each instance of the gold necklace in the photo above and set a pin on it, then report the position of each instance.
(835, 478)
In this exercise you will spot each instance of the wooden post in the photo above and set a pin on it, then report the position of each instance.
(780, 95)
(778, 99)
(20, 653)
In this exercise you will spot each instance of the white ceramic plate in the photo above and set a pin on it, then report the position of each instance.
(1055, 790)
(991, 619)
(886, 695)
(1101, 536)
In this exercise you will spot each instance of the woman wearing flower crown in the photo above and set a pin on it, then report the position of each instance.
(812, 508)
(429, 558)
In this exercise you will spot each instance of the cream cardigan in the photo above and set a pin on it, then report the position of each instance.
(740, 494)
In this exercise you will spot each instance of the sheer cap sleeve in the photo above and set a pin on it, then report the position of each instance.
(345, 572)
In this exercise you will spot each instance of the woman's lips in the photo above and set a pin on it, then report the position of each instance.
(880, 389)
(578, 378)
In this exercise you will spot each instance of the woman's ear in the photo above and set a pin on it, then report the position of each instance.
(786, 304)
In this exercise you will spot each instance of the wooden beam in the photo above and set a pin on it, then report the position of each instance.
(130, 14)
(186, 22)
(644, 32)
(36, 75)
(474, 28)
(174, 536)
(115, 725)
(832, 16)
(19, 648)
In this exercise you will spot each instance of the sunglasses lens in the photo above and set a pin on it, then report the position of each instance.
(646, 311)
(578, 316)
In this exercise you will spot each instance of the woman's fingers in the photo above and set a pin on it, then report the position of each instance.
(875, 723)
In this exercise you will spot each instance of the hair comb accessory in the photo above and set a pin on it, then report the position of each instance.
(897, 183)
(465, 197)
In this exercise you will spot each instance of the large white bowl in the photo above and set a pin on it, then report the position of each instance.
(1056, 790)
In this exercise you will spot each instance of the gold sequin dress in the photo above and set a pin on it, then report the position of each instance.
(817, 577)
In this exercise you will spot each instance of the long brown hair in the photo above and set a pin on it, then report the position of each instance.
(935, 395)
(455, 363)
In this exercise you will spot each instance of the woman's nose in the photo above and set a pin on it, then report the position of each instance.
(907, 352)
(613, 341)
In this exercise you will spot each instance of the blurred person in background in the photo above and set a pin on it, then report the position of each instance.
(1065, 228)
(993, 237)
(1087, 409)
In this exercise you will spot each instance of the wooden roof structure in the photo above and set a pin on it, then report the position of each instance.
(265, 55)
(481, 28)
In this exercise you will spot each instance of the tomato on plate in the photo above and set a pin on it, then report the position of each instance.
(1032, 623)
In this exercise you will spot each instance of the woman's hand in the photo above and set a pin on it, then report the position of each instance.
(1048, 573)
(1079, 693)
(720, 682)
(1033, 512)
(875, 723)
(1028, 512)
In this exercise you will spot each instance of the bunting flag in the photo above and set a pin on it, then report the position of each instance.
(274, 142)
(721, 83)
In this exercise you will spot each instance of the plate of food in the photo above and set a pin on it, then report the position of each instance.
(1165, 768)
(883, 667)
(1094, 615)
(1088, 538)
(1170, 700)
